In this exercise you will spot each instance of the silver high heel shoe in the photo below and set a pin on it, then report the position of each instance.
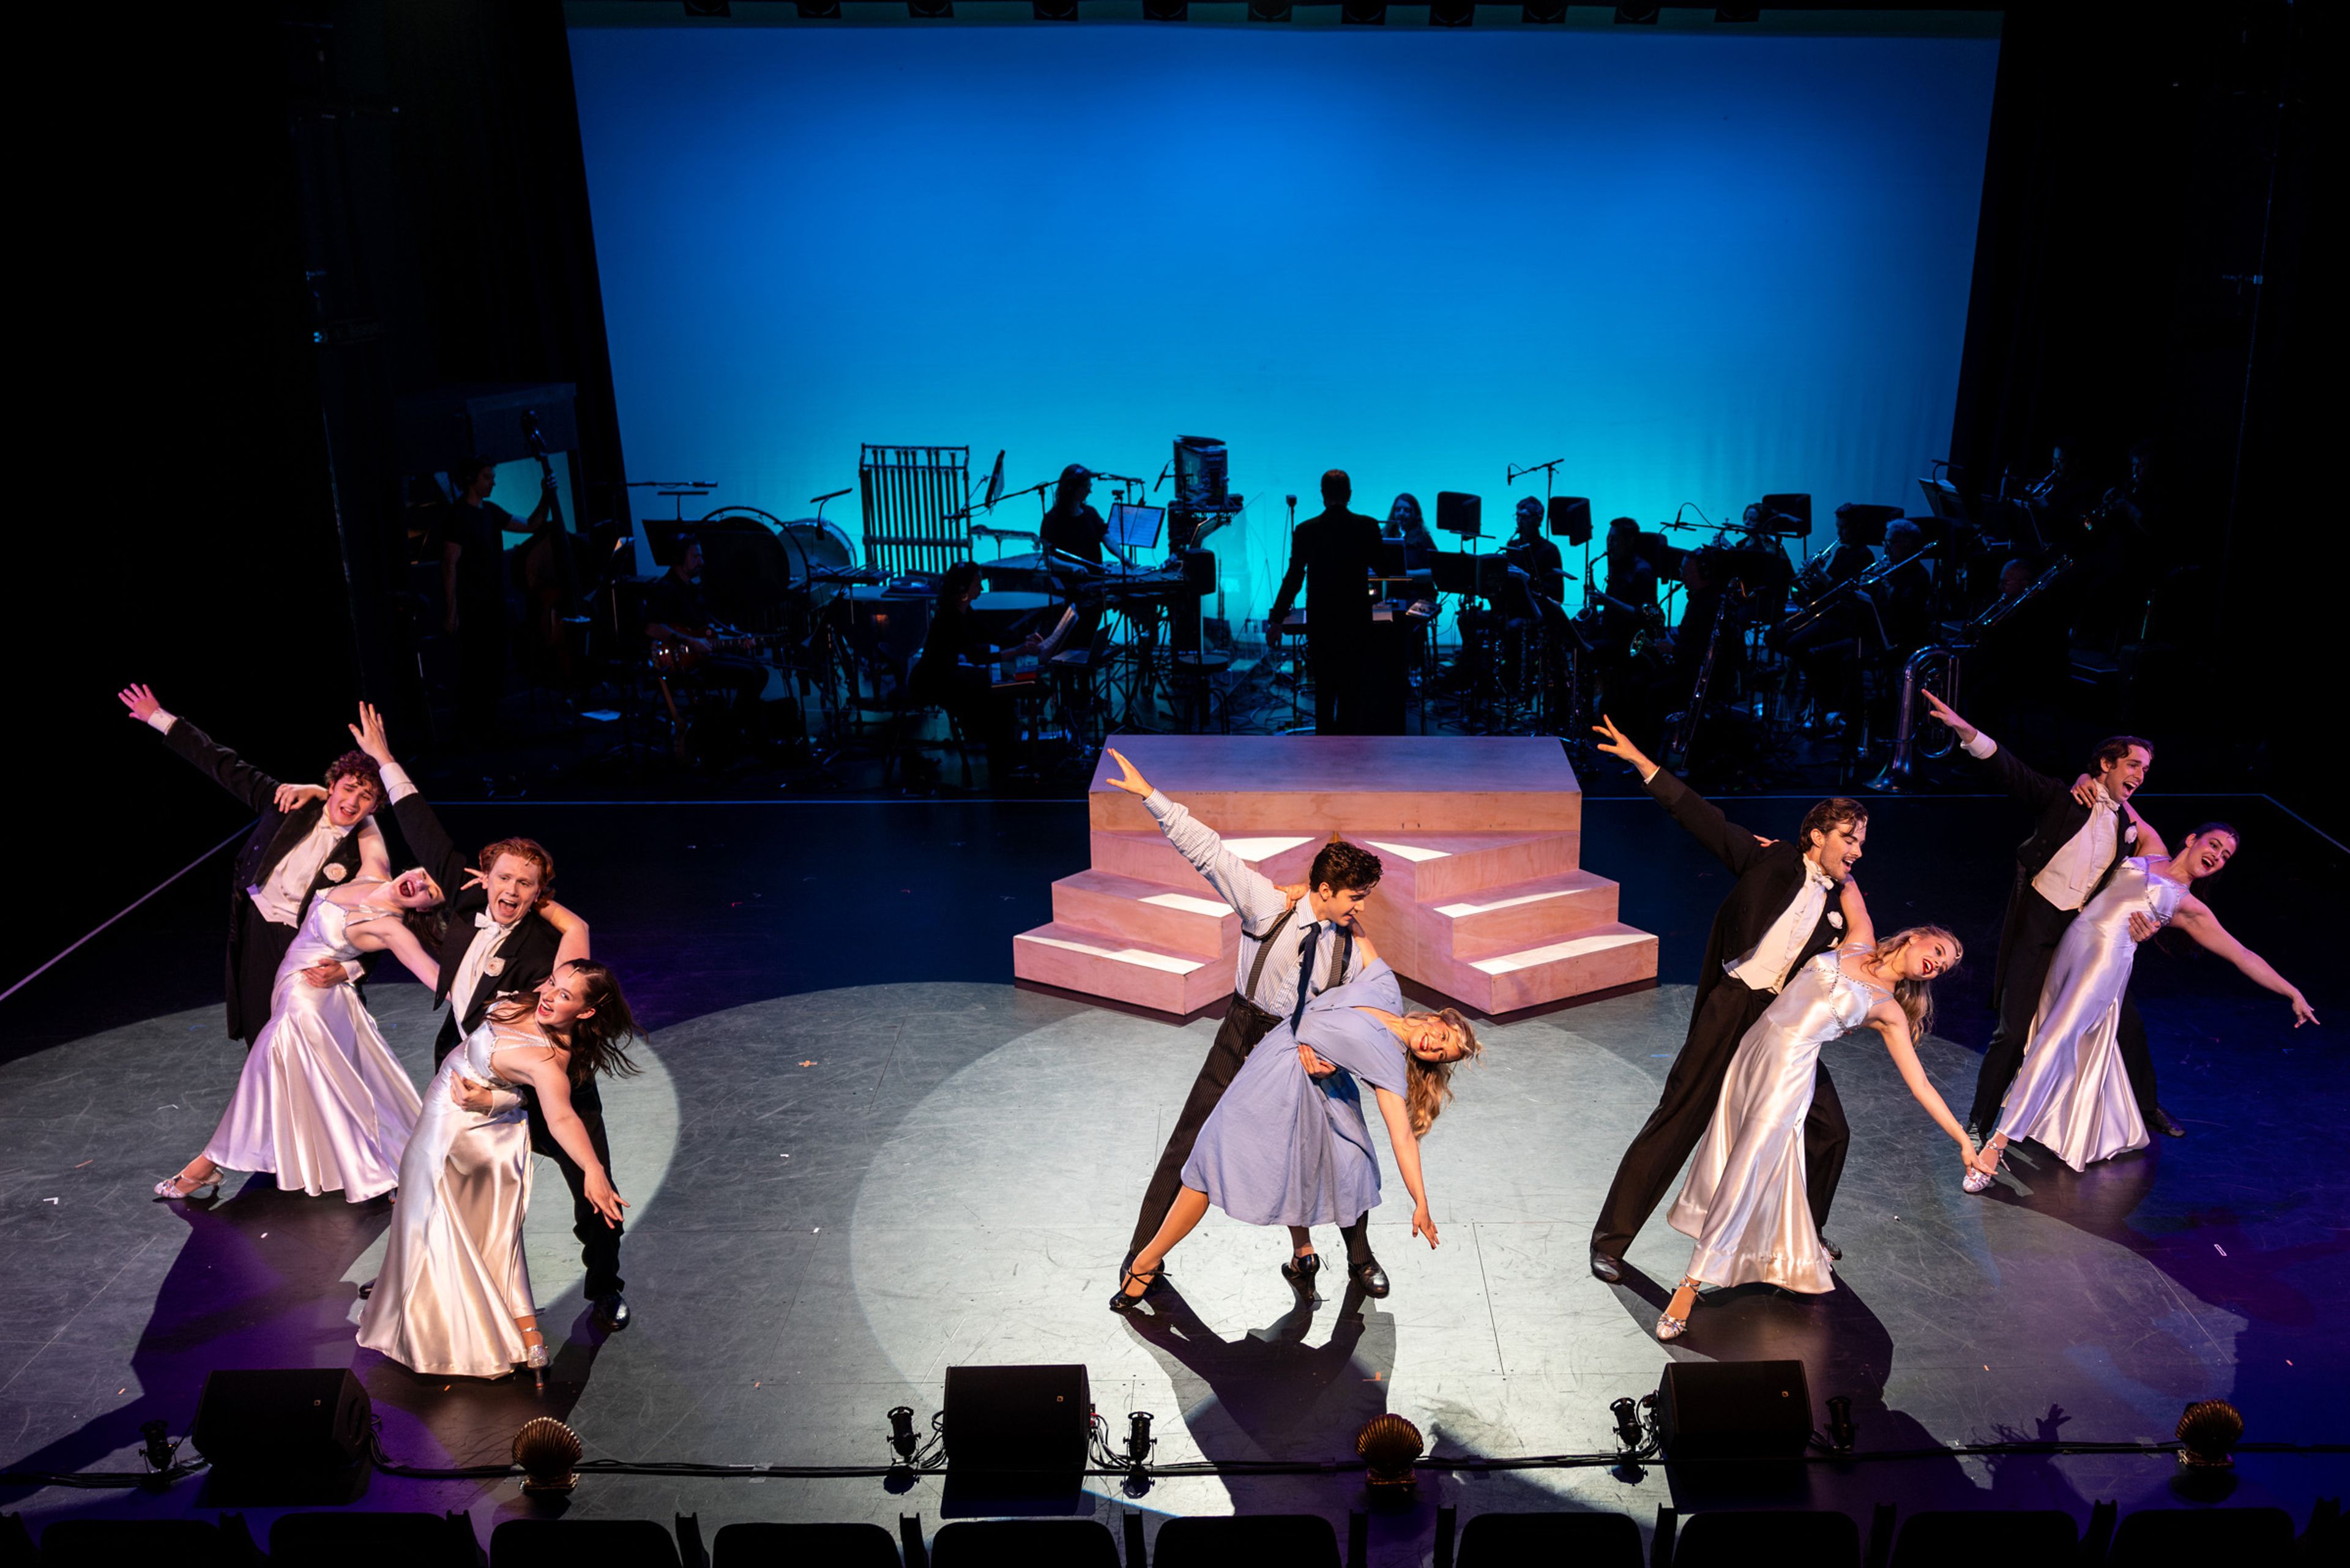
(169, 1188)
(1978, 1179)
(1668, 1327)
(534, 1357)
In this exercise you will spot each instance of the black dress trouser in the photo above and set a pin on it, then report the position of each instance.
(1692, 1090)
(261, 946)
(599, 1242)
(2037, 927)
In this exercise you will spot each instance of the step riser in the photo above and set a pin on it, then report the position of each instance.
(1202, 936)
(1453, 877)
(1519, 927)
(1096, 976)
(1349, 810)
(1153, 860)
(1544, 983)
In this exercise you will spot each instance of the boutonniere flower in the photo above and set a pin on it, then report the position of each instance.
(1836, 919)
(493, 966)
(2129, 833)
(337, 873)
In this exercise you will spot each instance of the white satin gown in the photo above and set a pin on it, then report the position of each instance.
(322, 1103)
(2072, 1094)
(454, 1278)
(1744, 1202)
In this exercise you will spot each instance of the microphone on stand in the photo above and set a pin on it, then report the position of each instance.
(819, 500)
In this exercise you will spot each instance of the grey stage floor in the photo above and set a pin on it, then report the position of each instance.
(838, 1195)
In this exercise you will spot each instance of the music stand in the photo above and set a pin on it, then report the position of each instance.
(1570, 518)
(1133, 526)
(1789, 515)
(1460, 513)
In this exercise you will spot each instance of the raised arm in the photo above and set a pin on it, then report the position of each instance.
(427, 839)
(1247, 889)
(255, 790)
(2196, 918)
(1893, 1023)
(392, 935)
(541, 1071)
(2015, 776)
(1733, 846)
(1406, 1144)
(571, 928)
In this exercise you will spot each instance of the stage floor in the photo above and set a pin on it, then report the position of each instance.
(843, 1190)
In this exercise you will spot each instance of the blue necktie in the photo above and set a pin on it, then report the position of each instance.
(1304, 971)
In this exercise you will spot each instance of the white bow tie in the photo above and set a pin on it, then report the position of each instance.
(481, 922)
(1818, 877)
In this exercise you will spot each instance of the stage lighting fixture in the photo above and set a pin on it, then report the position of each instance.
(546, 1450)
(1451, 13)
(901, 1433)
(1363, 14)
(1639, 15)
(928, 10)
(1543, 14)
(1137, 1438)
(819, 10)
(2208, 1430)
(1841, 1430)
(1054, 10)
(1738, 13)
(1627, 1424)
(1388, 1445)
(1166, 11)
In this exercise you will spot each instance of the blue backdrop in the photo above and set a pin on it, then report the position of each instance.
(1698, 266)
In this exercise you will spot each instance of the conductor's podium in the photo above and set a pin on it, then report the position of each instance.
(1483, 898)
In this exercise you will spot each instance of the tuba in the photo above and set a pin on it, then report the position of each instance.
(1938, 665)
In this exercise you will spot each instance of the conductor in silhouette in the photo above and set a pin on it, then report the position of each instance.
(1332, 555)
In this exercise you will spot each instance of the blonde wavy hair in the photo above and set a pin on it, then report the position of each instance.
(1429, 1088)
(1916, 997)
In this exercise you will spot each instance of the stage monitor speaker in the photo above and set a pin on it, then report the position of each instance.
(1733, 1409)
(1029, 1420)
(303, 1421)
(1863, 522)
(1458, 512)
(1570, 518)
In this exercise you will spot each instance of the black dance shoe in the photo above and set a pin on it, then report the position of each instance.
(1124, 1301)
(2165, 1124)
(1300, 1270)
(1603, 1267)
(611, 1313)
(1834, 1253)
(1371, 1277)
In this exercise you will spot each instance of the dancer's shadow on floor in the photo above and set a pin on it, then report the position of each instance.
(259, 1283)
(1266, 1393)
(1845, 1351)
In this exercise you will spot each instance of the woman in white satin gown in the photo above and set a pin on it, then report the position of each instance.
(1744, 1202)
(2072, 1094)
(453, 1296)
(322, 1103)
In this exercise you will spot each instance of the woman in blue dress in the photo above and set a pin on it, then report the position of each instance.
(1286, 1147)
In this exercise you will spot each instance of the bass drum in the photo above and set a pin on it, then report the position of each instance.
(817, 545)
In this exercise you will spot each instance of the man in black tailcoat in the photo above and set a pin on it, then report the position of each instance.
(500, 944)
(307, 841)
(2079, 834)
(1781, 913)
(1332, 556)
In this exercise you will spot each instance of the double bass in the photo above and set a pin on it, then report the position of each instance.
(544, 568)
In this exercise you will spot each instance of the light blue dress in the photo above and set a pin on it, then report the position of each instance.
(1283, 1148)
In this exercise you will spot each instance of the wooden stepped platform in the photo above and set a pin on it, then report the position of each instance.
(1483, 899)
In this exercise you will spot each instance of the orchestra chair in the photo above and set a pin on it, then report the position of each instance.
(1247, 1540)
(2177, 1537)
(763, 1544)
(582, 1543)
(1739, 1538)
(362, 1539)
(1954, 1538)
(1023, 1544)
(1588, 1539)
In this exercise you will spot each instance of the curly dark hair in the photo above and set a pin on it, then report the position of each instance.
(2114, 748)
(600, 1040)
(359, 765)
(1837, 811)
(1341, 865)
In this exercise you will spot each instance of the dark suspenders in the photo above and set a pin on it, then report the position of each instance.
(1264, 951)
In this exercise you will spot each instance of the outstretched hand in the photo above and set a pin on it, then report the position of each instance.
(598, 1191)
(1617, 744)
(369, 734)
(2300, 1012)
(140, 700)
(292, 797)
(1422, 1224)
(1130, 779)
(1943, 712)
